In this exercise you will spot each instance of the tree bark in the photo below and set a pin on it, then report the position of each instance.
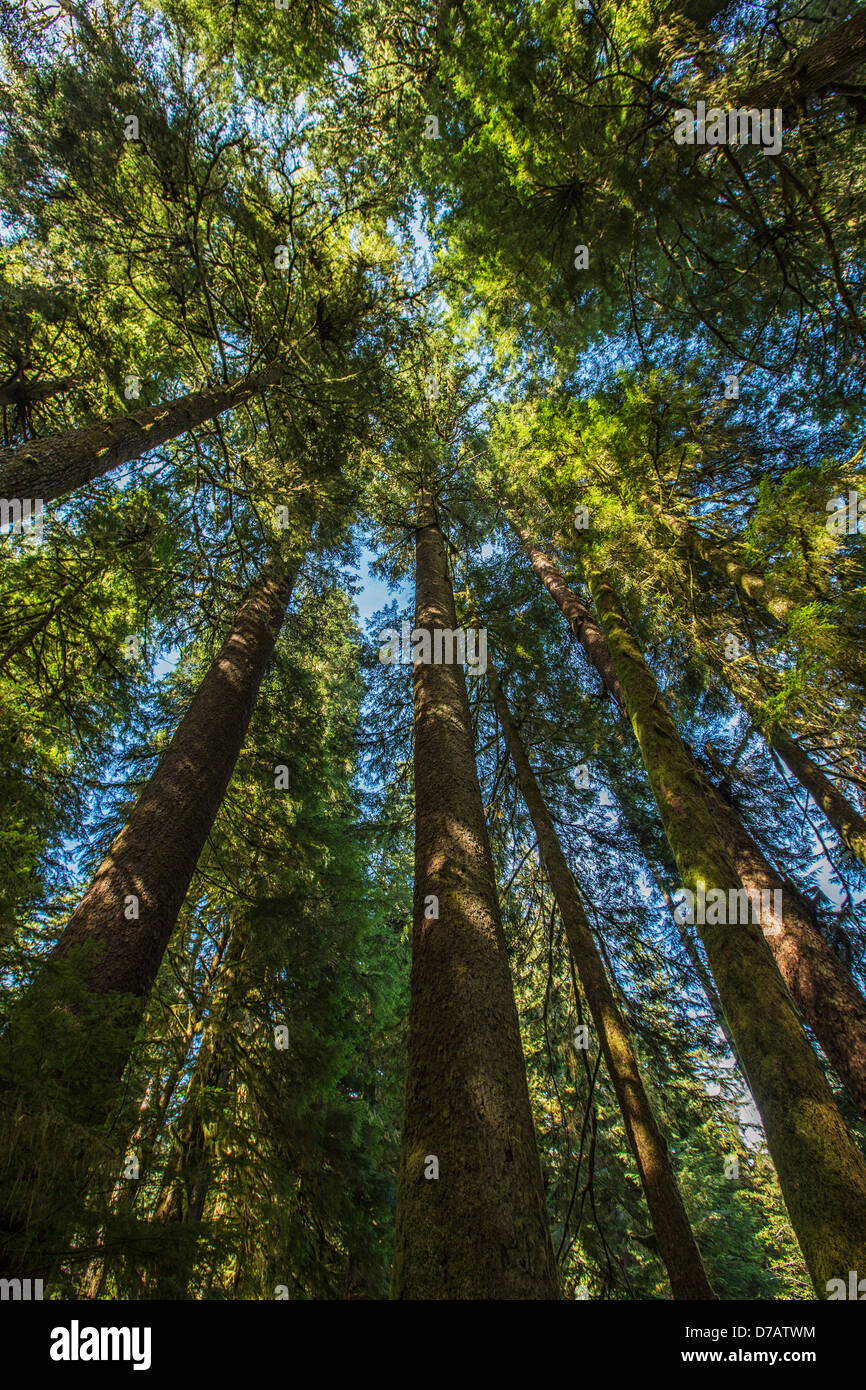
(479, 1230)
(827, 998)
(55, 465)
(581, 621)
(676, 1241)
(155, 854)
(82, 1012)
(825, 994)
(820, 1170)
(848, 823)
(831, 60)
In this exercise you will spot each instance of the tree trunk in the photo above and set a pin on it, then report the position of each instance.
(820, 1170)
(848, 823)
(55, 465)
(478, 1230)
(829, 61)
(826, 996)
(675, 1237)
(82, 1012)
(154, 856)
(582, 623)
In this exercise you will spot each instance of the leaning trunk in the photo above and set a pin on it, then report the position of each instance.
(821, 1172)
(675, 1237)
(848, 823)
(73, 1032)
(827, 998)
(151, 862)
(821, 68)
(825, 995)
(581, 621)
(55, 465)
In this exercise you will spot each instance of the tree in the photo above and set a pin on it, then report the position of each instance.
(104, 965)
(670, 1222)
(470, 1214)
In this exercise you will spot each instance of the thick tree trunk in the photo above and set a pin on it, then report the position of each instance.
(82, 1012)
(153, 858)
(821, 67)
(55, 465)
(675, 1237)
(820, 1170)
(479, 1229)
(826, 996)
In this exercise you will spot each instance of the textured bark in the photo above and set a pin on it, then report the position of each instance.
(848, 823)
(85, 1035)
(55, 465)
(155, 854)
(586, 630)
(674, 1234)
(819, 68)
(824, 992)
(820, 1170)
(826, 996)
(480, 1230)
(581, 621)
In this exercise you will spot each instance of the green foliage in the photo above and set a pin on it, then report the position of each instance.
(429, 173)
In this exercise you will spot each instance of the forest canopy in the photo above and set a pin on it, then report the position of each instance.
(432, 723)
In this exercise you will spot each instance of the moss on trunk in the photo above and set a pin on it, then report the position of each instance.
(821, 1172)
